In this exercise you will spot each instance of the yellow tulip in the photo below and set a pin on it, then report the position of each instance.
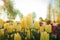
(46, 36)
(28, 20)
(18, 27)
(58, 21)
(48, 28)
(41, 29)
(42, 36)
(10, 29)
(36, 24)
(25, 22)
(17, 36)
(58, 17)
(14, 25)
(1, 22)
(1, 32)
(22, 22)
(6, 25)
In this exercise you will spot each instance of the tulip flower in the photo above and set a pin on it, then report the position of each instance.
(36, 24)
(18, 27)
(6, 25)
(1, 32)
(48, 28)
(17, 36)
(10, 29)
(46, 36)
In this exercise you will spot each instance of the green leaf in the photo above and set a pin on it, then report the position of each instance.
(11, 12)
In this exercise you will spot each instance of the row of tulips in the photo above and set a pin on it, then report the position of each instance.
(26, 29)
(17, 31)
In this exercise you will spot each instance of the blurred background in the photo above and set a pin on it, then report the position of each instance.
(30, 6)
(40, 7)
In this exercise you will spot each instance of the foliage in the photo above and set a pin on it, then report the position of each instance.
(11, 12)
